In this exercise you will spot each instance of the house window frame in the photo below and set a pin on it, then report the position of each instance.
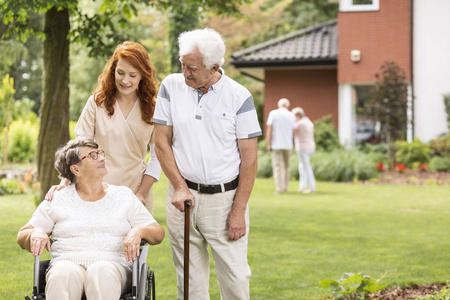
(347, 5)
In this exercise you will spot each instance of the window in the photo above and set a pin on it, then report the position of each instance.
(359, 5)
(364, 126)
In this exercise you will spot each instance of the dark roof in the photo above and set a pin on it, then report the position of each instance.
(316, 45)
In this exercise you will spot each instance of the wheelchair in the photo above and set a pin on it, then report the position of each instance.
(142, 279)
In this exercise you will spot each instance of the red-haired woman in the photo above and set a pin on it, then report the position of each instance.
(119, 117)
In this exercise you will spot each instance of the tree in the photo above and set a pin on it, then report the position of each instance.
(389, 103)
(96, 30)
(181, 18)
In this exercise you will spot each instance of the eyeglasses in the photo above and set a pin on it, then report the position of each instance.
(94, 155)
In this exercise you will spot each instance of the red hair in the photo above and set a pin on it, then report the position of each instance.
(137, 56)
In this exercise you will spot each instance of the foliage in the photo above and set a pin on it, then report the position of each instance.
(181, 18)
(298, 14)
(444, 294)
(343, 165)
(325, 135)
(264, 161)
(7, 92)
(412, 154)
(447, 108)
(10, 187)
(378, 151)
(22, 139)
(439, 164)
(11, 53)
(355, 286)
(441, 146)
(388, 104)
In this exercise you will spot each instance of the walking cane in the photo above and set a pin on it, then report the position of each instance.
(187, 210)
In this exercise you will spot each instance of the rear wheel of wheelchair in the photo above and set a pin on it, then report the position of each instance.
(151, 285)
(146, 284)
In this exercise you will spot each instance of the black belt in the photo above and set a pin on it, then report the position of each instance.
(213, 188)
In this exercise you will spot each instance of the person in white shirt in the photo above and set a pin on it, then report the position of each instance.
(305, 147)
(206, 141)
(280, 128)
(96, 227)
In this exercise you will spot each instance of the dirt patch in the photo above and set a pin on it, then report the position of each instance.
(412, 177)
(407, 293)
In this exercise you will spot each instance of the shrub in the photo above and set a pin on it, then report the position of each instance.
(22, 138)
(11, 187)
(343, 165)
(325, 135)
(377, 151)
(412, 154)
(439, 164)
(353, 286)
(441, 146)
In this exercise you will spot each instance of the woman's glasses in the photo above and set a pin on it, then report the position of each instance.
(94, 155)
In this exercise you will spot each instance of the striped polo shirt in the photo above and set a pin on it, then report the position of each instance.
(206, 127)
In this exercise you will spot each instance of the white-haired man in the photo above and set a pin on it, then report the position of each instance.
(206, 141)
(280, 131)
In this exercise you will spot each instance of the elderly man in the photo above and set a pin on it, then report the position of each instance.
(280, 131)
(206, 142)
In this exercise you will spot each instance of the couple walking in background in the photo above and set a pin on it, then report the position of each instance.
(284, 127)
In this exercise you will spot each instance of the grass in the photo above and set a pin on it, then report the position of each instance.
(296, 240)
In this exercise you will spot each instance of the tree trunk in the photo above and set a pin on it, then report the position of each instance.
(54, 112)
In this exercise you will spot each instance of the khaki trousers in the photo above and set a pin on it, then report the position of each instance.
(208, 226)
(281, 171)
(103, 280)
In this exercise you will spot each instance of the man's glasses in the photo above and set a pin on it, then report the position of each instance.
(94, 155)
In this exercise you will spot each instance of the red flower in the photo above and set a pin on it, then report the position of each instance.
(400, 167)
(380, 166)
(422, 167)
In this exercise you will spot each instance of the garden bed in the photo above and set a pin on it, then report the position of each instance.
(412, 177)
(407, 293)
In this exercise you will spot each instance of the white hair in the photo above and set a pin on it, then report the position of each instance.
(209, 43)
(283, 102)
(298, 111)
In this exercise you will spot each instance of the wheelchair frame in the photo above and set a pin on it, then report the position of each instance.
(142, 279)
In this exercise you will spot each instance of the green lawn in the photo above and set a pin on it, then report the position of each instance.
(296, 240)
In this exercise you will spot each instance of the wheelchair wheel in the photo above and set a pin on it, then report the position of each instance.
(146, 284)
(151, 285)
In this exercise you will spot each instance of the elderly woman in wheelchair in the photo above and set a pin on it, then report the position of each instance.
(96, 229)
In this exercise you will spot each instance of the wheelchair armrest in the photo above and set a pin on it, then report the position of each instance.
(143, 242)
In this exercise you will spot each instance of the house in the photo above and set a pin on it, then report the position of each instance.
(329, 69)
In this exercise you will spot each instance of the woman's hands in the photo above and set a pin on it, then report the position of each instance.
(131, 244)
(64, 183)
(38, 241)
(153, 234)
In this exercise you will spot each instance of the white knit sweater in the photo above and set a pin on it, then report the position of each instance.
(87, 232)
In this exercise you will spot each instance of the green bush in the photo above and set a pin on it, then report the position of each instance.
(22, 139)
(377, 151)
(343, 165)
(441, 146)
(439, 164)
(325, 135)
(412, 154)
(10, 187)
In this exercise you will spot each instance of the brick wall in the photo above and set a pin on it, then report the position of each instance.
(379, 35)
(315, 90)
